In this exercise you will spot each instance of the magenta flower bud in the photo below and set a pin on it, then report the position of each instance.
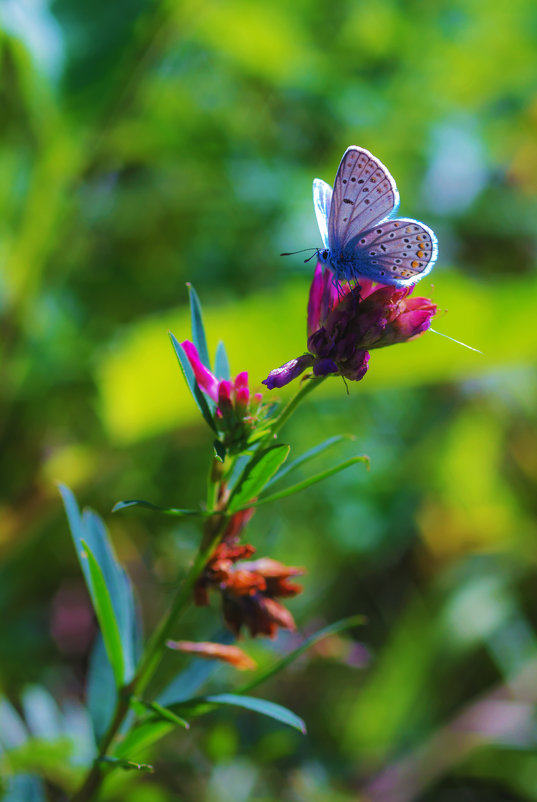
(241, 380)
(204, 377)
(224, 393)
(242, 399)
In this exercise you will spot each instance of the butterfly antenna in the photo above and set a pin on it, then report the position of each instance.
(470, 348)
(292, 253)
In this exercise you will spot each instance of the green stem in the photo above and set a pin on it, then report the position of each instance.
(214, 528)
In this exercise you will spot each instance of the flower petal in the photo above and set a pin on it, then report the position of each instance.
(287, 372)
(204, 377)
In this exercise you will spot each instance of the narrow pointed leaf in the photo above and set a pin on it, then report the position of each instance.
(90, 528)
(203, 404)
(308, 455)
(221, 363)
(279, 665)
(165, 713)
(270, 709)
(198, 329)
(220, 450)
(139, 502)
(102, 604)
(101, 691)
(257, 473)
(142, 736)
(312, 480)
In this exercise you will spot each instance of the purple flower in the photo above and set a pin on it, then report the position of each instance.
(239, 414)
(345, 323)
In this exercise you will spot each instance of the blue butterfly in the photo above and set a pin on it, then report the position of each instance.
(360, 236)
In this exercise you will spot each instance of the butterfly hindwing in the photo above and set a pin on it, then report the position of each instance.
(322, 197)
(364, 194)
(397, 252)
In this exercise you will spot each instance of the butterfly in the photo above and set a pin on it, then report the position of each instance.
(360, 236)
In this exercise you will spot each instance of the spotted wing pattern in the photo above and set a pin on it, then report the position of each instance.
(322, 197)
(364, 194)
(397, 252)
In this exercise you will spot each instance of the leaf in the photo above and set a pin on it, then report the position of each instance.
(90, 528)
(128, 765)
(119, 588)
(266, 708)
(142, 736)
(23, 788)
(308, 455)
(165, 713)
(256, 475)
(42, 714)
(101, 690)
(221, 363)
(13, 732)
(331, 629)
(199, 397)
(198, 329)
(220, 450)
(102, 604)
(139, 502)
(312, 480)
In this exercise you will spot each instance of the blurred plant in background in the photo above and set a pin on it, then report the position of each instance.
(147, 143)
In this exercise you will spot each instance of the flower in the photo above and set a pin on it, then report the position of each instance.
(239, 413)
(345, 323)
(248, 588)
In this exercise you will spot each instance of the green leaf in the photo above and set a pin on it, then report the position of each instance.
(312, 480)
(220, 450)
(165, 713)
(101, 692)
(270, 709)
(90, 528)
(204, 405)
(257, 473)
(198, 329)
(221, 363)
(13, 732)
(128, 765)
(139, 502)
(102, 604)
(308, 455)
(331, 629)
(141, 737)
(42, 714)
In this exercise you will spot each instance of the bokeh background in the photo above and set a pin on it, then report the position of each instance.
(145, 144)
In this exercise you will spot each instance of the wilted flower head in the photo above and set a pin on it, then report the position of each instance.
(249, 588)
(239, 412)
(345, 323)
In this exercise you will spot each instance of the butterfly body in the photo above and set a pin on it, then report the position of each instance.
(361, 237)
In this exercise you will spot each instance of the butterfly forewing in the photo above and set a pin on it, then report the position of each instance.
(394, 251)
(364, 194)
(322, 196)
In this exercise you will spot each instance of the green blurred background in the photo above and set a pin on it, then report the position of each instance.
(145, 144)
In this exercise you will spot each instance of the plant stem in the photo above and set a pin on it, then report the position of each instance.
(214, 528)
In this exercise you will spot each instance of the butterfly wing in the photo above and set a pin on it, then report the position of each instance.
(397, 252)
(364, 194)
(322, 198)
